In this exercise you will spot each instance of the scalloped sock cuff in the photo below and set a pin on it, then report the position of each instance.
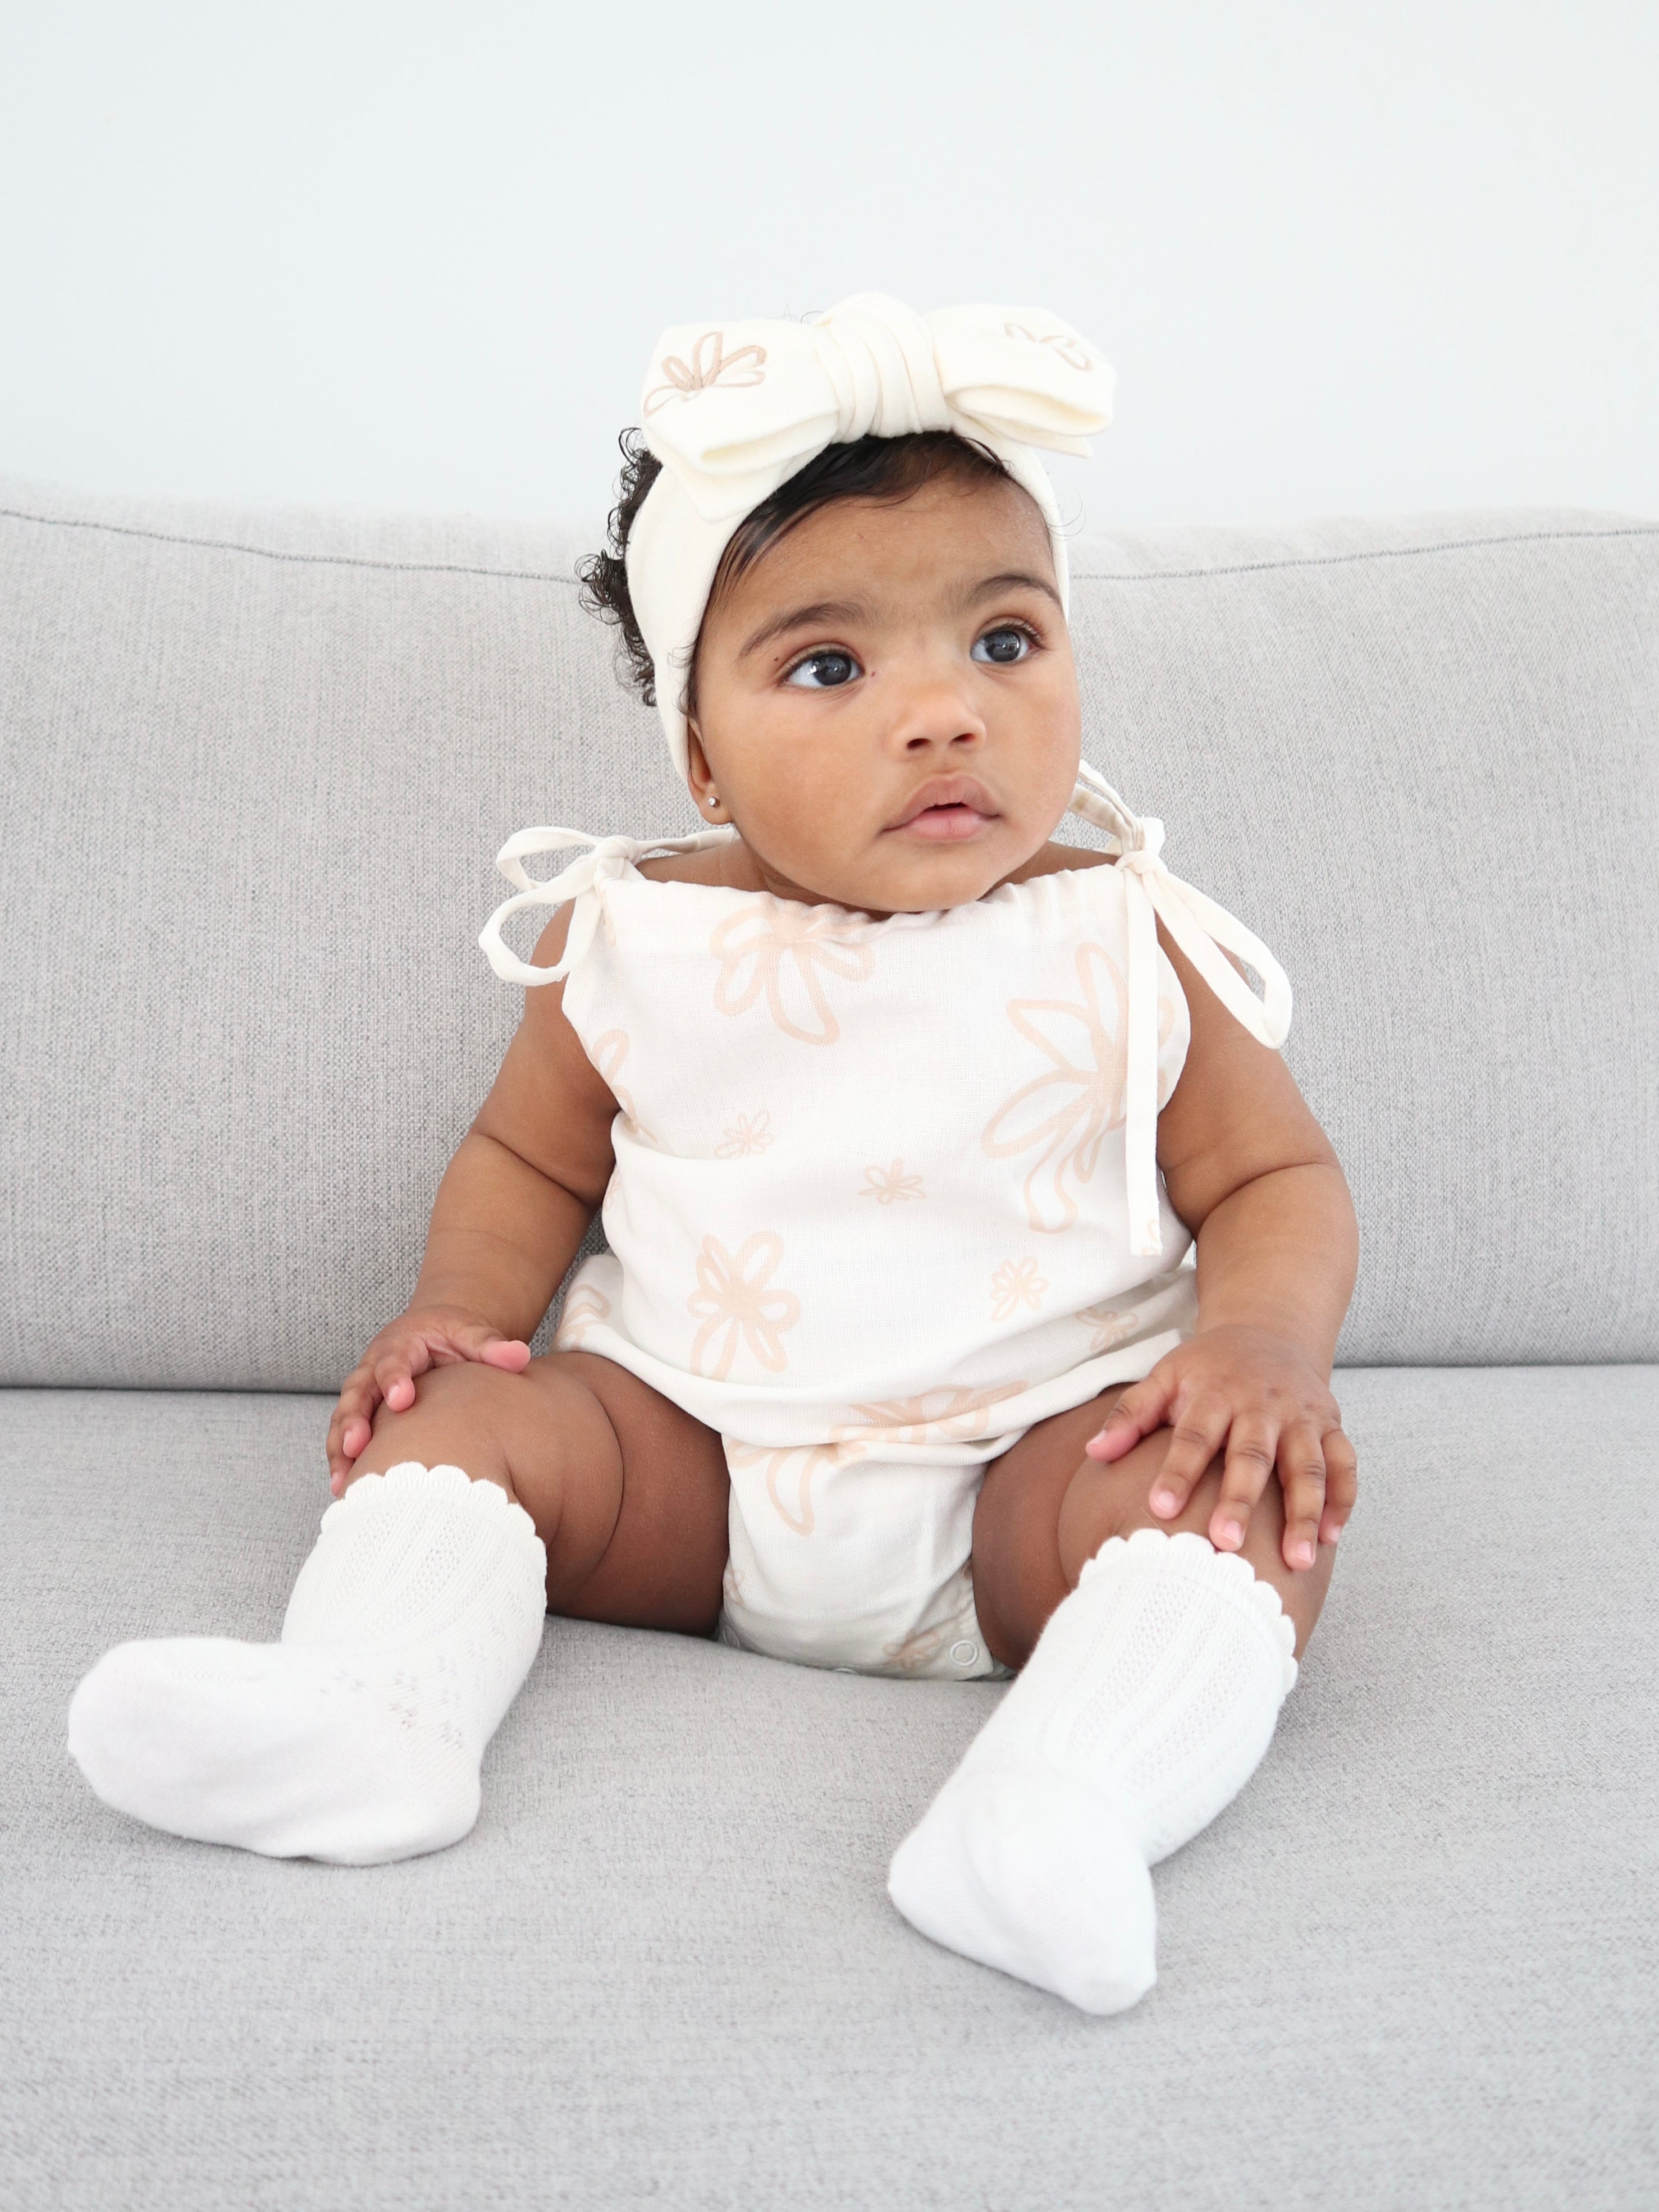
(1147, 1703)
(358, 1738)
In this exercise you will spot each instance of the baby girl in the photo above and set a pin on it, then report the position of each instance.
(975, 1267)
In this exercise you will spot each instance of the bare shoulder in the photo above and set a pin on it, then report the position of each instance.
(548, 1104)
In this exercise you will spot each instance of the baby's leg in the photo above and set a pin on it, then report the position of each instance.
(627, 1492)
(1153, 1670)
(358, 1738)
(1046, 1509)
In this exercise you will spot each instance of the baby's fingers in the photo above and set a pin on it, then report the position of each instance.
(1341, 1484)
(1303, 1476)
(1141, 1409)
(1195, 1440)
(1252, 1443)
(352, 1426)
(395, 1371)
(510, 1353)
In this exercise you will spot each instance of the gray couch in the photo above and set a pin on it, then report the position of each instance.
(255, 767)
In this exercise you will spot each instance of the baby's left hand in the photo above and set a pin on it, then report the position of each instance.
(1260, 1396)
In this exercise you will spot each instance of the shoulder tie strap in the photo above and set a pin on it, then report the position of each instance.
(603, 862)
(1205, 932)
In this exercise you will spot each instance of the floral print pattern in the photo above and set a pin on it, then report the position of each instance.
(709, 368)
(583, 1309)
(1064, 1113)
(749, 1133)
(947, 1415)
(1109, 1324)
(790, 1469)
(885, 1185)
(786, 951)
(1067, 344)
(1016, 1283)
(609, 1051)
(737, 1306)
(922, 1646)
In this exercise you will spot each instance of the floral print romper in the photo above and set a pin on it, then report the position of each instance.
(868, 1219)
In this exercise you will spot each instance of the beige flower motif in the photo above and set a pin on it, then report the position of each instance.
(1015, 1284)
(1070, 349)
(778, 946)
(609, 1053)
(886, 1184)
(790, 1469)
(582, 1309)
(710, 365)
(735, 1307)
(923, 1646)
(918, 1650)
(945, 1415)
(1110, 1325)
(1066, 1113)
(744, 1136)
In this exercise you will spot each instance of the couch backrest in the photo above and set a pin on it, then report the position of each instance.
(256, 765)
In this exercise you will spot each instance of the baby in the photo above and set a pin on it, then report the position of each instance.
(905, 1121)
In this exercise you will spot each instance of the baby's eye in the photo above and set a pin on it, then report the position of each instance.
(823, 671)
(1003, 646)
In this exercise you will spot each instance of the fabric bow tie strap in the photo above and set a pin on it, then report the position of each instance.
(1205, 932)
(604, 861)
(733, 410)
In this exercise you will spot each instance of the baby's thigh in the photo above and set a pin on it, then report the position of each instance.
(1045, 1510)
(642, 1534)
(627, 1492)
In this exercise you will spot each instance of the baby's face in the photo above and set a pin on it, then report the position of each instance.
(887, 704)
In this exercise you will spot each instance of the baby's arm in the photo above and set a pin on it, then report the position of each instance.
(513, 1205)
(1253, 1175)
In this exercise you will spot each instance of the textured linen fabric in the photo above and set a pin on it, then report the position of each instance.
(1413, 1967)
(255, 764)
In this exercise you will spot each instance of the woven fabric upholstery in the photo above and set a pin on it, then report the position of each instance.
(1412, 1968)
(254, 766)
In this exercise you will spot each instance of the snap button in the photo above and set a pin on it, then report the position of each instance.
(964, 1652)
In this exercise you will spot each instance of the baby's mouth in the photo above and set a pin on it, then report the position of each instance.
(946, 809)
(940, 825)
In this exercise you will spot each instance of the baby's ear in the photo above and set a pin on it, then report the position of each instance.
(699, 776)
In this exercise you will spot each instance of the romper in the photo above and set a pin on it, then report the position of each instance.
(885, 1194)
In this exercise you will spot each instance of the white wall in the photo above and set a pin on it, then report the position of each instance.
(405, 254)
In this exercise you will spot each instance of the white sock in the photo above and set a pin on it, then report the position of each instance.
(358, 1738)
(1146, 1705)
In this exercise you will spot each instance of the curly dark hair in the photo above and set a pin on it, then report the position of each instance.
(868, 468)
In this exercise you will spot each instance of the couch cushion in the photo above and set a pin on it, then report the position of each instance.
(255, 767)
(1415, 1966)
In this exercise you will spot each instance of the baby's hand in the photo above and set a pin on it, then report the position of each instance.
(1260, 1396)
(424, 1337)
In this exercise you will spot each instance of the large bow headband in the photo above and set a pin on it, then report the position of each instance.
(733, 410)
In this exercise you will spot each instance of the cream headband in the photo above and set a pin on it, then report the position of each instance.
(732, 410)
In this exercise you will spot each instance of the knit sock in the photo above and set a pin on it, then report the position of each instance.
(357, 1738)
(1145, 1706)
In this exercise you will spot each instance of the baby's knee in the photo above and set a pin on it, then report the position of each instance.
(1112, 1498)
(458, 1418)
(453, 1389)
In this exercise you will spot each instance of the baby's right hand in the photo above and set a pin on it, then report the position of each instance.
(424, 1337)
